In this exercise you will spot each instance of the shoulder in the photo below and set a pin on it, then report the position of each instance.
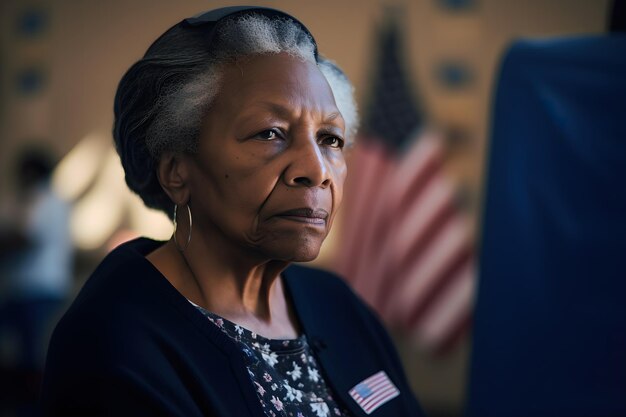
(123, 273)
(116, 331)
(117, 299)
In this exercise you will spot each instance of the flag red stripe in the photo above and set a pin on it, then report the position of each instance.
(453, 305)
(416, 228)
(380, 399)
(423, 273)
(364, 184)
(421, 221)
(424, 167)
(409, 244)
(441, 283)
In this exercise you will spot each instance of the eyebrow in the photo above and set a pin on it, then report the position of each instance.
(332, 117)
(285, 112)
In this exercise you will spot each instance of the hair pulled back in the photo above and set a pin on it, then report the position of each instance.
(162, 99)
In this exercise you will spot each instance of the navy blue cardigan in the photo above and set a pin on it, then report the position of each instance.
(131, 344)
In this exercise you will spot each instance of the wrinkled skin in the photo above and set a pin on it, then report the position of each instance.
(263, 189)
(271, 143)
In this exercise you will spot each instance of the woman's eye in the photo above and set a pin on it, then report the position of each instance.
(268, 135)
(333, 142)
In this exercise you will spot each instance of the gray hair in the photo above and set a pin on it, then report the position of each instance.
(162, 99)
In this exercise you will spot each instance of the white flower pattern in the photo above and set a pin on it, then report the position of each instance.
(271, 358)
(296, 372)
(284, 373)
(320, 409)
(292, 393)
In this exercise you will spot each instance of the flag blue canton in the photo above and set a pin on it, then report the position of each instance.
(373, 392)
(363, 390)
(393, 113)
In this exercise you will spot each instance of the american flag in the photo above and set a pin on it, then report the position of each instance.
(374, 391)
(407, 246)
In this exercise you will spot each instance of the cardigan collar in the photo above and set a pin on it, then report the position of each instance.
(336, 368)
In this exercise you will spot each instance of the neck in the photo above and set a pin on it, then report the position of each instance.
(233, 284)
(242, 288)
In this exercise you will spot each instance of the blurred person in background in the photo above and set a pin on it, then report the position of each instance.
(36, 270)
(233, 125)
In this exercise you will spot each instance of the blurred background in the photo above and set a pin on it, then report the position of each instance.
(425, 73)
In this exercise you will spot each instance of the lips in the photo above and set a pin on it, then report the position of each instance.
(305, 215)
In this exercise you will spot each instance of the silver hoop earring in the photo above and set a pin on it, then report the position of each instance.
(176, 228)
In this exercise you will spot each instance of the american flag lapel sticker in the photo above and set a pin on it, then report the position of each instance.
(373, 392)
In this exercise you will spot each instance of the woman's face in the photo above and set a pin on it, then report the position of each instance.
(270, 169)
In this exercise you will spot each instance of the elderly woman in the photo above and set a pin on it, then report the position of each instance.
(234, 125)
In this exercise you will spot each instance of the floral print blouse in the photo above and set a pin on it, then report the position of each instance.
(284, 373)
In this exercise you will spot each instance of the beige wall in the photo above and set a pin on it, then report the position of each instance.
(91, 43)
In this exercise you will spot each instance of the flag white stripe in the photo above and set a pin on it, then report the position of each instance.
(452, 307)
(401, 262)
(377, 211)
(379, 375)
(423, 275)
(391, 393)
(415, 165)
(375, 389)
(406, 226)
(380, 381)
(382, 401)
(371, 388)
(399, 185)
(415, 220)
(400, 202)
(370, 161)
(379, 388)
(379, 394)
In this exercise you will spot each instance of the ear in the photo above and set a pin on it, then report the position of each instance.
(173, 174)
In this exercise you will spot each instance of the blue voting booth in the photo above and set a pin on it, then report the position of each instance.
(550, 320)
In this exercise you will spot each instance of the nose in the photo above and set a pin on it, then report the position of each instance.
(308, 166)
